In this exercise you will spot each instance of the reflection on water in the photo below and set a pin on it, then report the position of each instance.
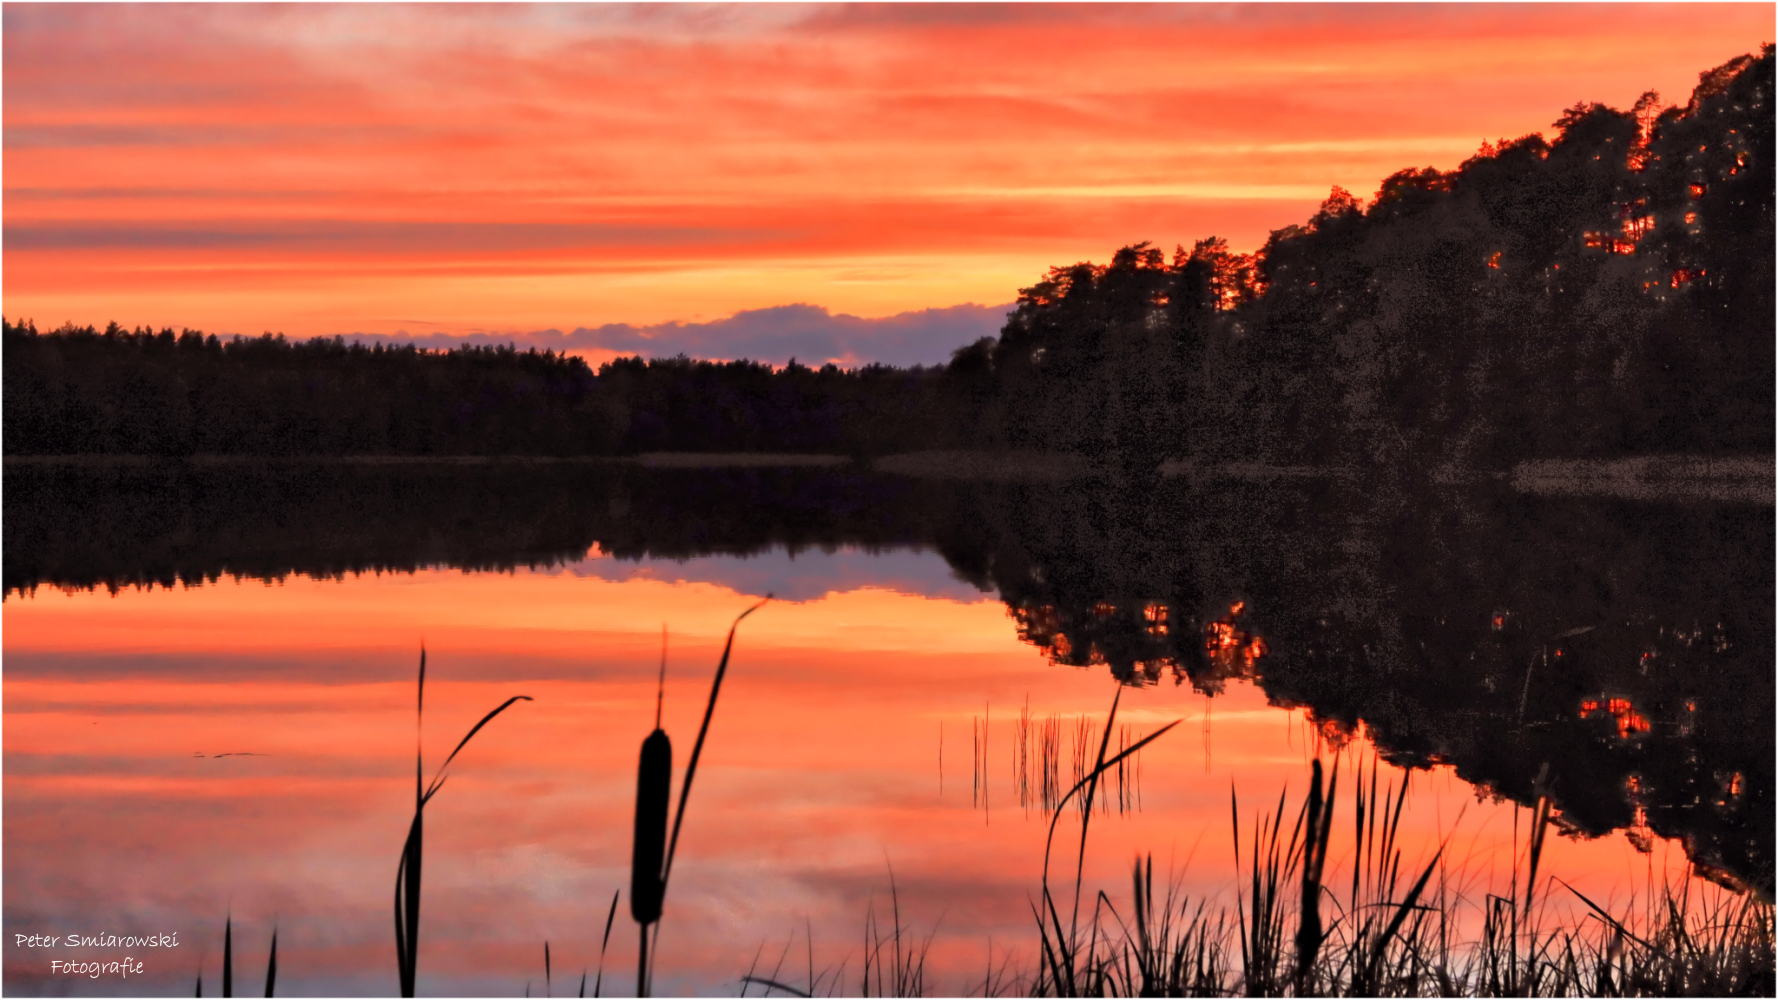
(1037, 763)
(170, 754)
(798, 576)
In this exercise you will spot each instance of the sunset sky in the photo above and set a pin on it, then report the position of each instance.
(509, 169)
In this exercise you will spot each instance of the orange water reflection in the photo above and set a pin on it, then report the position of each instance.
(824, 768)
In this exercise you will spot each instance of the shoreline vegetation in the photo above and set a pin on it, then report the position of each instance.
(1365, 927)
(1602, 295)
(1740, 479)
(1300, 928)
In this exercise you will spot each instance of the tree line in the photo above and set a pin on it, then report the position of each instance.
(1603, 293)
(80, 390)
(1607, 292)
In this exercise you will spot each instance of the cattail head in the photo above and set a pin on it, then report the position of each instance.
(653, 787)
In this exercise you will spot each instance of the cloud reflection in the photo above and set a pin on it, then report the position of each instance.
(804, 575)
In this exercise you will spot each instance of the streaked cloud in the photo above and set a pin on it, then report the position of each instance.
(319, 168)
(356, 236)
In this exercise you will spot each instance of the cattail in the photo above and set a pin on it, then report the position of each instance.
(654, 781)
(653, 786)
(650, 866)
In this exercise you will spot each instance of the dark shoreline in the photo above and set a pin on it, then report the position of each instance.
(1653, 478)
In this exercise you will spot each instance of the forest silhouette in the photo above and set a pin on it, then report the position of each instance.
(1601, 294)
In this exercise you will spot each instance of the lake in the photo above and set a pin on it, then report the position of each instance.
(210, 675)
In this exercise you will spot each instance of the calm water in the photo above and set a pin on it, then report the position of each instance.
(242, 741)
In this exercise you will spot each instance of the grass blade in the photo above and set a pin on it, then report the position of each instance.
(271, 965)
(1401, 913)
(697, 749)
(599, 981)
(407, 870)
(228, 957)
(438, 779)
(773, 984)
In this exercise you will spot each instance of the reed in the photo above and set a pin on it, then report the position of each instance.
(1390, 932)
(978, 728)
(771, 983)
(1062, 965)
(648, 872)
(1082, 756)
(1037, 762)
(1049, 747)
(829, 978)
(1179, 951)
(1260, 914)
(1171, 950)
(1023, 755)
(1389, 937)
(228, 962)
(1371, 920)
(605, 942)
(271, 965)
(1037, 759)
(1002, 980)
(906, 958)
(1128, 774)
(407, 871)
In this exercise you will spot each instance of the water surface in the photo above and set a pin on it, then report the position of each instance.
(242, 741)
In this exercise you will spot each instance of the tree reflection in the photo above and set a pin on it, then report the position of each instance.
(1626, 645)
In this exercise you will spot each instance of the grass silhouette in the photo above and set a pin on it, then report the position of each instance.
(407, 872)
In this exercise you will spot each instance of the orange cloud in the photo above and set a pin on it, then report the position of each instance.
(330, 169)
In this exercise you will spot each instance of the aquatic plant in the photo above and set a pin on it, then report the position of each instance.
(407, 872)
(1391, 933)
(604, 943)
(271, 965)
(648, 872)
(906, 963)
(1390, 938)
(228, 962)
(1063, 967)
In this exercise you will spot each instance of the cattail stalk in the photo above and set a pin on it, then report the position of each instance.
(648, 870)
